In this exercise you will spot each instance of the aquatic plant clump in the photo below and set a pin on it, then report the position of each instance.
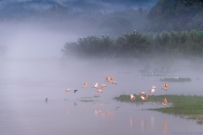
(150, 74)
(176, 79)
(83, 100)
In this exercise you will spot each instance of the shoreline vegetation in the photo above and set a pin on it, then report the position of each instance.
(185, 106)
(185, 44)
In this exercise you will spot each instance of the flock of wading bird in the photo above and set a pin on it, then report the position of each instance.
(143, 95)
(99, 89)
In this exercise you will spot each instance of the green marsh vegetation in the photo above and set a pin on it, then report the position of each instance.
(186, 106)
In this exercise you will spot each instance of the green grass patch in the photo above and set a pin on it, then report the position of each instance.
(187, 106)
(176, 79)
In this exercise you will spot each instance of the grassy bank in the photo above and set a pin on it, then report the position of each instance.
(186, 106)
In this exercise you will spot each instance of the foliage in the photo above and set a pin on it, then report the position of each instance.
(131, 45)
(136, 45)
(176, 15)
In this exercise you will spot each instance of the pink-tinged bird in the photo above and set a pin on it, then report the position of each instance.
(99, 91)
(67, 90)
(111, 79)
(165, 86)
(108, 79)
(165, 102)
(85, 85)
(102, 86)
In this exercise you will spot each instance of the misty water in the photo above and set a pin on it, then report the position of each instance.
(33, 69)
(26, 83)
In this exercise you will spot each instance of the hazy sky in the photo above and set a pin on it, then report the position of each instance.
(28, 39)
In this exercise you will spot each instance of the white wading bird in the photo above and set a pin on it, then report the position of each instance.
(95, 86)
(114, 82)
(143, 96)
(132, 97)
(152, 89)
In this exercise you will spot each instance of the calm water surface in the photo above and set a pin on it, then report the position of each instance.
(24, 86)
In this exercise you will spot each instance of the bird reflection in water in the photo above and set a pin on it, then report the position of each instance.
(132, 122)
(85, 108)
(143, 125)
(132, 125)
(164, 127)
(67, 111)
(101, 103)
(103, 113)
(152, 121)
(96, 111)
(75, 104)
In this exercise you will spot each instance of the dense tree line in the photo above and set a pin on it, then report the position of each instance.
(176, 15)
(136, 45)
(165, 15)
(178, 43)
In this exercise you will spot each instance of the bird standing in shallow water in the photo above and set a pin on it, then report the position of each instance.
(165, 102)
(165, 86)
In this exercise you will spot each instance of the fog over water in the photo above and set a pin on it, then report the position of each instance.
(33, 68)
